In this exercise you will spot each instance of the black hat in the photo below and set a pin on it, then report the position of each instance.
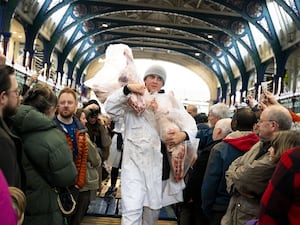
(92, 101)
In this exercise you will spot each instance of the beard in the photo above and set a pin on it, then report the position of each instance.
(9, 111)
(66, 114)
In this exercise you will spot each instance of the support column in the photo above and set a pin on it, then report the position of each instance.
(31, 55)
(6, 37)
(46, 70)
(24, 57)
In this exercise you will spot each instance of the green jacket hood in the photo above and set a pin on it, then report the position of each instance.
(29, 119)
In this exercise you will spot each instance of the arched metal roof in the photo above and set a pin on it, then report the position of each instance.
(211, 32)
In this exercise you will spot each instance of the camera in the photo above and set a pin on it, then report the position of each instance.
(93, 113)
(245, 100)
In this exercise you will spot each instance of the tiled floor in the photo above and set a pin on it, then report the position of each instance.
(115, 221)
(107, 211)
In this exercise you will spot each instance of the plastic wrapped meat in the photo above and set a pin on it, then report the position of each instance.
(118, 70)
(177, 161)
(129, 75)
(177, 153)
(181, 155)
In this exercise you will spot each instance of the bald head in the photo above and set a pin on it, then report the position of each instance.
(222, 129)
(274, 118)
(192, 110)
(281, 115)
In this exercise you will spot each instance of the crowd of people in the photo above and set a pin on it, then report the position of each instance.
(219, 169)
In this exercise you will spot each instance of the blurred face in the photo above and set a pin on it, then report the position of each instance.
(266, 127)
(92, 119)
(191, 111)
(83, 119)
(66, 105)
(153, 83)
(13, 98)
(212, 120)
(272, 153)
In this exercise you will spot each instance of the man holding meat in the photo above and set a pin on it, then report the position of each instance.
(141, 177)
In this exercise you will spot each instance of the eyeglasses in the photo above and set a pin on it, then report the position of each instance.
(17, 91)
(262, 121)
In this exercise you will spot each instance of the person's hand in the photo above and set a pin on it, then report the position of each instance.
(267, 99)
(32, 79)
(271, 99)
(174, 137)
(100, 120)
(106, 120)
(137, 88)
(262, 106)
(92, 106)
(252, 101)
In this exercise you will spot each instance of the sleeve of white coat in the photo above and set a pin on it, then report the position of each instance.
(116, 104)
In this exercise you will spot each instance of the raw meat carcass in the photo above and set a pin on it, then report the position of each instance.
(178, 152)
(118, 70)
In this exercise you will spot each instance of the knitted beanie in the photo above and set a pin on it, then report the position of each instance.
(156, 70)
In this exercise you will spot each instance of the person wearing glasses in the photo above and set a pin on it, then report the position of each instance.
(248, 176)
(11, 146)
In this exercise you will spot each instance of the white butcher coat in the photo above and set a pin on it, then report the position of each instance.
(141, 174)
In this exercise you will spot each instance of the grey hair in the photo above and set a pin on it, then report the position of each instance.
(225, 126)
(220, 110)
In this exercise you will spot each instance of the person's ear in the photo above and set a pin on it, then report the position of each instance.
(3, 98)
(219, 131)
(234, 125)
(275, 124)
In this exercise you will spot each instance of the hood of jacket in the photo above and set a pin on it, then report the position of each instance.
(242, 140)
(29, 119)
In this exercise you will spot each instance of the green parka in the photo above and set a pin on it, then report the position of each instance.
(47, 163)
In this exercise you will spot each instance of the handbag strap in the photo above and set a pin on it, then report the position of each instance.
(63, 209)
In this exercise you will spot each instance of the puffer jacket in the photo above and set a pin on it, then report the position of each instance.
(47, 162)
(80, 159)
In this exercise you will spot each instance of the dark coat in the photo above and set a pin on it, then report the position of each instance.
(215, 197)
(10, 156)
(48, 163)
(195, 175)
(205, 136)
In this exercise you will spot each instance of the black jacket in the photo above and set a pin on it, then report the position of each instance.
(11, 157)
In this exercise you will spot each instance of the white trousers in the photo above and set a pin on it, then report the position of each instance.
(144, 216)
